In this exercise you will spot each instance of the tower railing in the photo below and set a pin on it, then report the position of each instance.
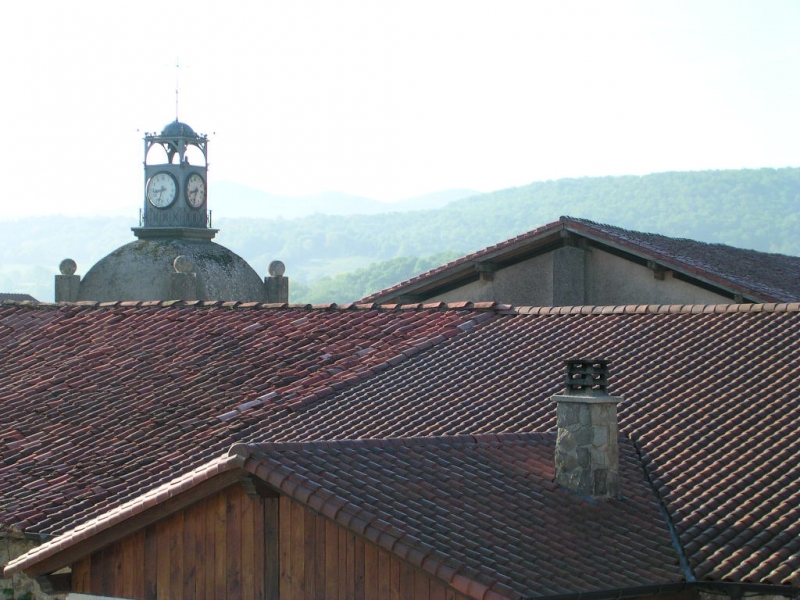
(195, 218)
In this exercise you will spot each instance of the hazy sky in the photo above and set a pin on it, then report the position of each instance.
(390, 100)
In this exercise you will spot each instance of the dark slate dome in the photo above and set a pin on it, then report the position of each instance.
(143, 270)
(178, 129)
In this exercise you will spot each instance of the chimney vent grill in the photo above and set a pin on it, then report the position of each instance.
(587, 376)
(587, 453)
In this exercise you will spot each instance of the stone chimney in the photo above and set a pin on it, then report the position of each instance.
(587, 454)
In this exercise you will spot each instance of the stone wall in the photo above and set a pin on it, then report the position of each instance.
(587, 455)
(19, 586)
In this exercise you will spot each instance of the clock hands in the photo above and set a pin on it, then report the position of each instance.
(162, 190)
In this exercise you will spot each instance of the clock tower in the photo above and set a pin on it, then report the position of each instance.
(175, 189)
(174, 257)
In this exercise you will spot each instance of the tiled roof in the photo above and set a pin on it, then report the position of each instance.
(136, 506)
(101, 402)
(481, 513)
(4, 296)
(107, 400)
(765, 276)
(758, 275)
(709, 396)
(481, 508)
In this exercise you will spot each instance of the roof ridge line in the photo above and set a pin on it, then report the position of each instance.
(244, 449)
(498, 308)
(235, 304)
(629, 309)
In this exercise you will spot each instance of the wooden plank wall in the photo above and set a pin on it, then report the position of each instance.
(231, 547)
(320, 559)
(216, 548)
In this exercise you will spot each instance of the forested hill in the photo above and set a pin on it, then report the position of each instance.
(751, 208)
(758, 209)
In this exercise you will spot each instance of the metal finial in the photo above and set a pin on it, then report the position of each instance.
(177, 72)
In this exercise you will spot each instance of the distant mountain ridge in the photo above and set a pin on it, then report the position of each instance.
(241, 201)
(749, 208)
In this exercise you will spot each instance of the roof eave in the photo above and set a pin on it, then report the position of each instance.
(465, 266)
(65, 549)
(427, 285)
(600, 237)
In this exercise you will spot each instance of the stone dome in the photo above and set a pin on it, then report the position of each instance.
(143, 270)
(178, 129)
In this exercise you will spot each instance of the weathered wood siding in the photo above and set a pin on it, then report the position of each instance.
(231, 547)
(213, 549)
(320, 559)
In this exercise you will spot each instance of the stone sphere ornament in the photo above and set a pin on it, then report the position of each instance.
(277, 268)
(68, 267)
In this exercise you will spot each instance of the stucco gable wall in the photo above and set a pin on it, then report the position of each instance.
(612, 280)
(528, 283)
(609, 280)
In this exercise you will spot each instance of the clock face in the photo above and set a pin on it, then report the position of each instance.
(195, 191)
(161, 189)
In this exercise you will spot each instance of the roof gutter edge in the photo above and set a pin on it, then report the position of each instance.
(731, 589)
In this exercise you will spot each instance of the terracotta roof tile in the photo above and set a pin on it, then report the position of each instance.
(511, 537)
(139, 380)
(709, 397)
(133, 507)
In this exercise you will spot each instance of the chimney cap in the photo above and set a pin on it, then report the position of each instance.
(587, 377)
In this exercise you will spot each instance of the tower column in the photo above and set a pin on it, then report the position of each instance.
(68, 285)
(276, 285)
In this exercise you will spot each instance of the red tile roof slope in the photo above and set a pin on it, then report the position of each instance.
(710, 397)
(485, 508)
(767, 277)
(127, 510)
(480, 513)
(104, 402)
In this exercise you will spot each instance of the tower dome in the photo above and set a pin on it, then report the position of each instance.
(146, 270)
(178, 129)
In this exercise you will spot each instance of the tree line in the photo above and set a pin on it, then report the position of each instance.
(335, 258)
